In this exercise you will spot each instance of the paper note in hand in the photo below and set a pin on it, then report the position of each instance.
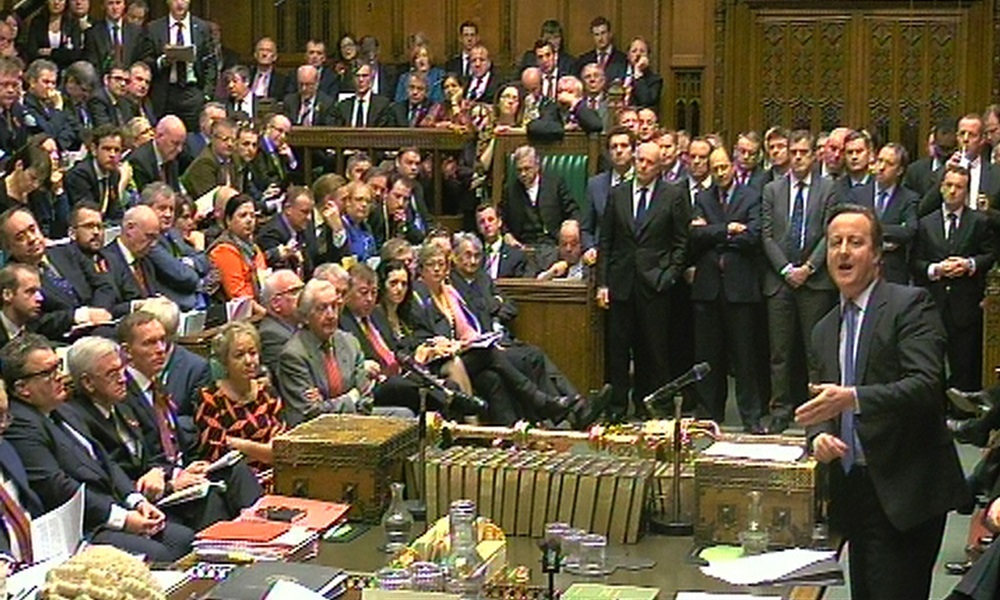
(205, 204)
(238, 309)
(226, 460)
(58, 532)
(179, 53)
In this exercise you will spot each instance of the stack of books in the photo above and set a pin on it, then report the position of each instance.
(251, 541)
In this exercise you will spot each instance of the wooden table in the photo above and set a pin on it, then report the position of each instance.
(671, 573)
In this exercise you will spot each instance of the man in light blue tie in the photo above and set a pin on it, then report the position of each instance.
(876, 414)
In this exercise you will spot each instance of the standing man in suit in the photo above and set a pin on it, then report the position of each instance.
(365, 108)
(156, 160)
(952, 254)
(266, 81)
(922, 174)
(643, 239)
(599, 186)
(896, 209)
(796, 285)
(672, 168)
(548, 67)
(180, 87)
(114, 40)
(612, 60)
(535, 205)
(984, 177)
(857, 165)
(876, 416)
(748, 155)
(98, 179)
(832, 163)
(776, 141)
(552, 34)
(468, 35)
(59, 456)
(725, 237)
(502, 258)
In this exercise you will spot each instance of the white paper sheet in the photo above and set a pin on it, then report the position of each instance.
(752, 570)
(289, 590)
(168, 580)
(772, 452)
(32, 577)
(58, 532)
(711, 596)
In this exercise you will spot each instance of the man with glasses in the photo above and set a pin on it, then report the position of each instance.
(280, 296)
(20, 300)
(109, 104)
(86, 236)
(74, 296)
(59, 456)
(322, 369)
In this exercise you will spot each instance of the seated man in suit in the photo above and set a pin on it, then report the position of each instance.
(196, 141)
(43, 104)
(595, 95)
(389, 217)
(418, 216)
(13, 131)
(20, 300)
(322, 369)
(267, 81)
(358, 239)
(289, 239)
(137, 97)
(15, 534)
(79, 82)
(86, 235)
(99, 403)
(129, 265)
(98, 179)
(952, 253)
(896, 209)
(156, 160)
(503, 259)
(308, 105)
(536, 204)
(73, 293)
(366, 108)
(280, 162)
(216, 165)
(109, 105)
(569, 262)
(241, 101)
(151, 388)
(178, 267)
(417, 110)
(59, 456)
(280, 296)
(568, 113)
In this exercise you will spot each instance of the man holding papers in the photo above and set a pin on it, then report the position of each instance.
(58, 456)
(876, 415)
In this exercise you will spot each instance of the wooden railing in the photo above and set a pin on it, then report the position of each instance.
(375, 141)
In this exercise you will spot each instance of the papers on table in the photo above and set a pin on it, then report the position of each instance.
(57, 533)
(771, 452)
(169, 580)
(192, 322)
(769, 568)
(289, 590)
(711, 596)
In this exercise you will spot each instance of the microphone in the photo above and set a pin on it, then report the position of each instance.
(696, 373)
(419, 372)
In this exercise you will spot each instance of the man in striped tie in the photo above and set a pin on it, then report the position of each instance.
(877, 416)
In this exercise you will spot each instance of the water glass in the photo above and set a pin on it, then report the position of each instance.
(571, 547)
(426, 577)
(389, 578)
(593, 554)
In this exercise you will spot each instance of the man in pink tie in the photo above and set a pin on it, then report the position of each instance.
(267, 82)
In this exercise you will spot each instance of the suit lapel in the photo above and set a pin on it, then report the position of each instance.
(873, 312)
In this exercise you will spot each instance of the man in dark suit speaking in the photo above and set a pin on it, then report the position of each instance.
(877, 363)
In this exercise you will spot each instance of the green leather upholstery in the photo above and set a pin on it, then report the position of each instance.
(571, 167)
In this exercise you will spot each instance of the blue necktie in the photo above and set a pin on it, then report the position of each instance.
(849, 325)
(880, 202)
(798, 217)
(640, 211)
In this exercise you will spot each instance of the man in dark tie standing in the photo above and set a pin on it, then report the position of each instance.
(797, 288)
(876, 416)
(468, 35)
(643, 239)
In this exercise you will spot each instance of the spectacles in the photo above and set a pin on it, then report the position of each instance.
(50, 374)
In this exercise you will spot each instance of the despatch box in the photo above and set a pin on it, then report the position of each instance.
(788, 497)
(344, 458)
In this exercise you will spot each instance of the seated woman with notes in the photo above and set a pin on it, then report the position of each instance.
(239, 261)
(240, 411)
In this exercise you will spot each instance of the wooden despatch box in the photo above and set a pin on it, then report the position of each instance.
(344, 458)
(788, 490)
(522, 490)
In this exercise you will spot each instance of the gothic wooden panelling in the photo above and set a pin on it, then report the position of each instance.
(492, 28)
(433, 19)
